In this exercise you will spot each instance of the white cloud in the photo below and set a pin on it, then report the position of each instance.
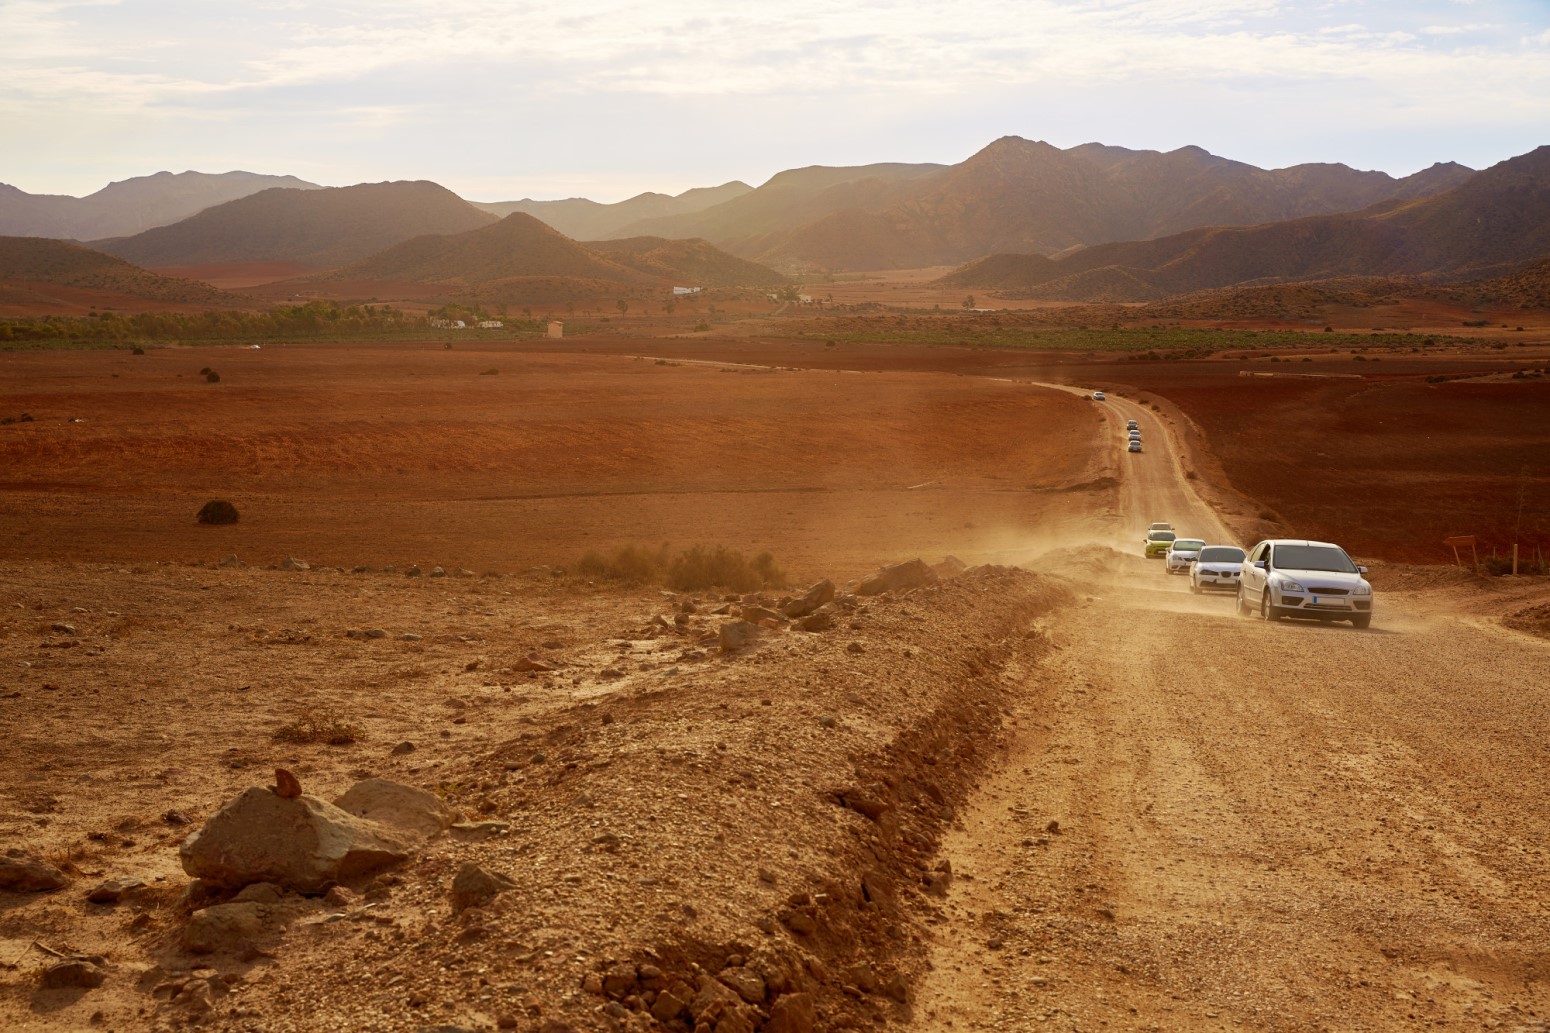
(355, 70)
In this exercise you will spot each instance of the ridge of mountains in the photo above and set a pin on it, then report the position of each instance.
(320, 229)
(511, 256)
(1494, 222)
(583, 219)
(129, 206)
(1088, 223)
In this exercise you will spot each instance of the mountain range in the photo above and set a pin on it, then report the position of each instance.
(582, 219)
(33, 270)
(128, 207)
(321, 229)
(1493, 222)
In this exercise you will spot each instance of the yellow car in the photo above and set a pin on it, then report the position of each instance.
(1157, 543)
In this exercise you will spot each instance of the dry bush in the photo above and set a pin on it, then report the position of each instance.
(692, 570)
(318, 728)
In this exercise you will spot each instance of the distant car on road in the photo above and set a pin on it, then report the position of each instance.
(1159, 525)
(1133, 435)
(1182, 553)
(1293, 577)
(1157, 543)
(1135, 445)
(1099, 396)
(1132, 425)
(1216, 569)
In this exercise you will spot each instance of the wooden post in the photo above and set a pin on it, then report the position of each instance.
(1514, 559)
(1456, 561)
(1476, 552)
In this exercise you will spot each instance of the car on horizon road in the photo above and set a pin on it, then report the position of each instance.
(1156, 543)
(1182, 553)
(1295, 577)
(1099, 396)
(1135, 446)
(1216, 569)
(1159, 525)
(1132, 425)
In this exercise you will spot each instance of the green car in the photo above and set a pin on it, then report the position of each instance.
(1157, 543)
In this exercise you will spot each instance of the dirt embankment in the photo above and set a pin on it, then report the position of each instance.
(764, 820)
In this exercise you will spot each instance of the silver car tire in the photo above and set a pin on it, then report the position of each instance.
(1243, 603)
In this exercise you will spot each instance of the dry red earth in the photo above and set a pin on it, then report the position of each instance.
(1076, 742)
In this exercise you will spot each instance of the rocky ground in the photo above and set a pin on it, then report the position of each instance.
(735, 838)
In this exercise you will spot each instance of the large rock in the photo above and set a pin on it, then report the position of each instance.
(736, 634)
(21, 873)
(392, 803)
(217, 511)
(897, 577)
(303, 844)
(810, 600)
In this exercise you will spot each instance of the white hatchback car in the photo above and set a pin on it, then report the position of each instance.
(1182, 553)
(1293, 577)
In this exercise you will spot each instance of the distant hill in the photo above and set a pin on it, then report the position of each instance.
(581, 219)
(518, 245)
(791, 198)
(320, 228)
(687, 262)
(29, 266)
(1495, 222)
(521, 248)
(1027, 196)
(131, 206)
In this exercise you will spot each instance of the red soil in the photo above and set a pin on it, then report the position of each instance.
(397, 454)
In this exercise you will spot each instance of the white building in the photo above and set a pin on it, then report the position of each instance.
(687, 290)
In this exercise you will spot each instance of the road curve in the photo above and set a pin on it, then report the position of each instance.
(1211, 822)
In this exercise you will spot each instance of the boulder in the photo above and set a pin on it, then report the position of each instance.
(759, 614)
(897, 577)
(736, 634)
(391, 803)
(302, 844)
(810, 600)
(21, 873)
(217, 511)
(820, 620)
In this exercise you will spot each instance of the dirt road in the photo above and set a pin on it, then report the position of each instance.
(1210, 822)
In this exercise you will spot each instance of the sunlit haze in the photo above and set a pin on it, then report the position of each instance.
(504, 100)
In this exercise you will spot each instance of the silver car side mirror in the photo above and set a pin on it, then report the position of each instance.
(1260, 564)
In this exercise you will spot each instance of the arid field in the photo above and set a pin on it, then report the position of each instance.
(1044, 787)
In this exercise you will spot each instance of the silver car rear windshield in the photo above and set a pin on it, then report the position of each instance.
(1313, 557)
(1221, 554)
(1187, 544)
(1161, 536)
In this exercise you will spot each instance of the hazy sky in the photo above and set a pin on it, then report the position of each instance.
(501, 99)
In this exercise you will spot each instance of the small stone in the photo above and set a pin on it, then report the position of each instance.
(413, 570)
(438, 572)
(341, 896)
(855, 647)
(112, 890)
(177, 817)
(72, 972)
(64, 629)
(672, 1002)
(409, 636)
(827, 721)
(474, 886)
(286, 785)
(792, 1013)
(376, 633)
(402, 748)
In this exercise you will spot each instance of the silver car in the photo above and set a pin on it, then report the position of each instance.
(1182, 553)
(1216, 569)
(1293, 577)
